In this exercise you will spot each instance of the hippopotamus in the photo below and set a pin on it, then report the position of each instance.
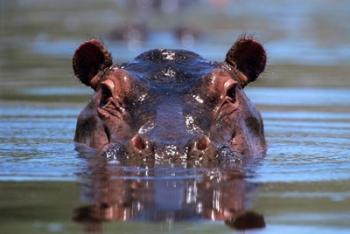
(171, 103)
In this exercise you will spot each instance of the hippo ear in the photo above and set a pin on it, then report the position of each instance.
(90, 58)
(248, 56)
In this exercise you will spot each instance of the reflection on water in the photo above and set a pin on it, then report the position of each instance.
(163, 193)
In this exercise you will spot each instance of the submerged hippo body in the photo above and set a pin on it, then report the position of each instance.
(171, 103)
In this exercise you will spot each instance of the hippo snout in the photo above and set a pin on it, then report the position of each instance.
(194, 149)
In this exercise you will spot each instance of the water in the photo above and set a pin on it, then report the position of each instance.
(301, 186)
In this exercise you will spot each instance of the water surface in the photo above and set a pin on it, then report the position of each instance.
(301, 186)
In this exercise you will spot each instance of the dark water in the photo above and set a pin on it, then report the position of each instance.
(301, 186)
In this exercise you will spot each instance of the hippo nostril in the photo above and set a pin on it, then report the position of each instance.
(138, 142)
(203, 143)
(139, 147)
(203, 150)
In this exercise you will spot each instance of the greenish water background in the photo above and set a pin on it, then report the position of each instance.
(303, 184)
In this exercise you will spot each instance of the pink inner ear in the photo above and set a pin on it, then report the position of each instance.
(88, 59)
(249, 57)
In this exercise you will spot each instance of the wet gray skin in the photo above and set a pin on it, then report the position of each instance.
(171, 104)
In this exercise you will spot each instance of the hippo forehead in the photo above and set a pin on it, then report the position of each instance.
(169, 70)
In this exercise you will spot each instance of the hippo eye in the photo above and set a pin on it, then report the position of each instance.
(106, 94)
(231, 93)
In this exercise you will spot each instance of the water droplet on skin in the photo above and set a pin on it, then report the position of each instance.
(198, 99)
(148, 126)
(169, 72)
(191, 126)
(168, 55)
(142, 97)
(111, 154)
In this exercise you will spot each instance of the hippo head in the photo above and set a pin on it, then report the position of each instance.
(171, 103)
